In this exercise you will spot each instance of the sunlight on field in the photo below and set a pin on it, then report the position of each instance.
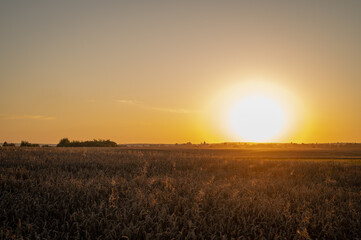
(175, 193)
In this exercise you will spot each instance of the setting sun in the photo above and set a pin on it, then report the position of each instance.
(257, 118)
(257, 109)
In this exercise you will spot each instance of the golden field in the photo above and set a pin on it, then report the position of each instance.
(180, 193)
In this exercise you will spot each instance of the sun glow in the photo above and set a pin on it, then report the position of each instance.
(257, 118)
(256, 110)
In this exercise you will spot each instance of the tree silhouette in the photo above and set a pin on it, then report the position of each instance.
(5, 144)
(63, 142)
(95, 143)
(27, 144)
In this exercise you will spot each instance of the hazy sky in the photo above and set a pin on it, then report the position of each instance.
(147, 71)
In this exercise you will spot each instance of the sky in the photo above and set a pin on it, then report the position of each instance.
(155, 71)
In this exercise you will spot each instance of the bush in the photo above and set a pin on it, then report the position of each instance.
(63, 143)
(27, 144)
(5, 144)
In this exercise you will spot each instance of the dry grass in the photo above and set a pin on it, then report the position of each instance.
(175, 194)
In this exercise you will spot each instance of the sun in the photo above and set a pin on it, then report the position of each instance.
(255, 110)
(257, 118)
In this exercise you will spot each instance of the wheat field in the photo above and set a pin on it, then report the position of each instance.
(115, 193)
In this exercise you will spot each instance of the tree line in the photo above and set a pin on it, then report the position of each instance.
(65, 142)
(22, 144)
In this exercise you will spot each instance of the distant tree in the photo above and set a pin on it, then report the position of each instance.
(5, 144)
(27, 144)
(63, 142)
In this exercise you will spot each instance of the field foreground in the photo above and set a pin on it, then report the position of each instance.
(113, 193)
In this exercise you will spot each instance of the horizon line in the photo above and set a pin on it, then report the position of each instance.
(201, 143)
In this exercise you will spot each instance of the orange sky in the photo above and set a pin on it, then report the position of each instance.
(159, 71)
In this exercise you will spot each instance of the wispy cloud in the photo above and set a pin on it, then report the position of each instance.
(141, 105)
(172, 110)
(126, 101)
(19, 117)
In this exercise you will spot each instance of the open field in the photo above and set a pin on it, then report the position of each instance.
(180, 193)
